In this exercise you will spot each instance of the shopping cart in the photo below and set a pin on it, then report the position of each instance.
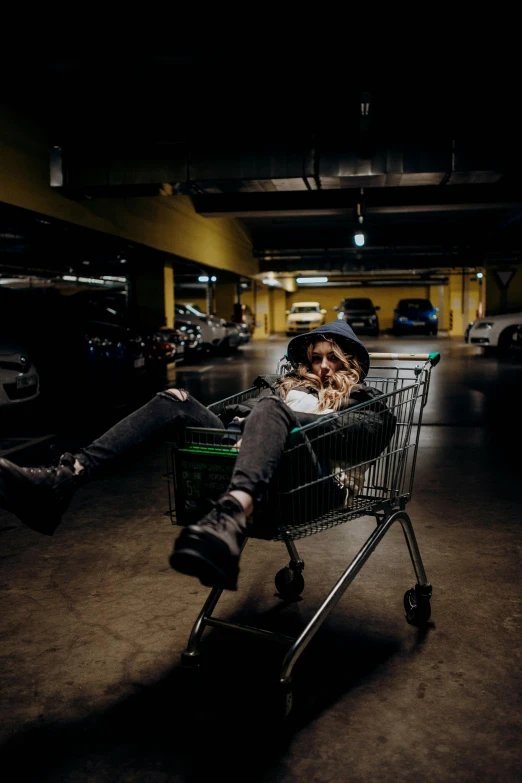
(324, 480)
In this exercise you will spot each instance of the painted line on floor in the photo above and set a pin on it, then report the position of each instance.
(195, 369)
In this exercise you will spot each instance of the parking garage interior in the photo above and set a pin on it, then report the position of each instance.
(103, 239)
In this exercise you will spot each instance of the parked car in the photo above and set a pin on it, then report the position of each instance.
(415, 315)
(360, 314)
(110, 349)
(234, 336)
(244, 333)
(19, 380)
(243, 315)
(213, 329)
(192, 336)
(494, 331)
(304, 316)
(166, 346)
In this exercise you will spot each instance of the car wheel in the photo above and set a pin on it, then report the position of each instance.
(505, 340)
(435, 331)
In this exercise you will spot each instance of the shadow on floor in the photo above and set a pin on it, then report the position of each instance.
(220, 721)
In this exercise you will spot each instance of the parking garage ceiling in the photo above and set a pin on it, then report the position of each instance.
(299, 161)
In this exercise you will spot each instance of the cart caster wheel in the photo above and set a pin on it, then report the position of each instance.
(289, 583)
(286, 701)
(190, 661)
(417, 607)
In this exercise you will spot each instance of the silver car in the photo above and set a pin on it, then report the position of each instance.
(19, 380)
(213, 329)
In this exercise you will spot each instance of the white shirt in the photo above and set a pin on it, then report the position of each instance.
(303, 401)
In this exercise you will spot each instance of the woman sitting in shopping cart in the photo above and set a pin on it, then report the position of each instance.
(324, 376)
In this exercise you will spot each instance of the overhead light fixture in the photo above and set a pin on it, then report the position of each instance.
(359, 239)
(301, 280)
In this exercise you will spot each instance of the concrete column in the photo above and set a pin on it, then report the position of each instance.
(440, 304)
(262, 311)
(168, 294)
(147, 293)
(278, 307)
(225, 297)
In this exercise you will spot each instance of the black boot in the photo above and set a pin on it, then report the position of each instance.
(211, 548)
(39, 496)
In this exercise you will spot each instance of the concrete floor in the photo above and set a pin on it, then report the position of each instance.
(93, 621)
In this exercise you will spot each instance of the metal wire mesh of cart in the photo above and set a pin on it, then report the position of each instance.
(346, 465)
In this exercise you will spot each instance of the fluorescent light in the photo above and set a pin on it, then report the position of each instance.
(302, 280)
(113, 279)
(359, 240)
(71, 278)
(203, 279)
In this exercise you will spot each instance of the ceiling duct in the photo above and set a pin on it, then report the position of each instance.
(253, 167)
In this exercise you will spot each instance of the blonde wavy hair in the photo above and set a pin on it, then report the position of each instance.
(335, 390)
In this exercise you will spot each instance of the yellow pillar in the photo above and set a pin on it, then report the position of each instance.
(225, 298)
(278, 310)
(168, 294)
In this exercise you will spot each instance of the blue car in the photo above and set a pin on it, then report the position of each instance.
(415, 316)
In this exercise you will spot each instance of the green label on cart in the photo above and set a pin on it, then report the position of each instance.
(201, 477)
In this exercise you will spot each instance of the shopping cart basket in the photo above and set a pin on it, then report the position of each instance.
(324, 480)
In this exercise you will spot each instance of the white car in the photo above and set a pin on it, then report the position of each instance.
(213, 329)
(494, 331)
(303, 317)
(19, 380)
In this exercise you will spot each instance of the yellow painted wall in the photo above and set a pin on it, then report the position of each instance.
(261, 305)
(512, 301)
(385, 296)
(167, 223)
(464, 296)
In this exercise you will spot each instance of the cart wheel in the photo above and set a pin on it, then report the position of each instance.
(417, 606)
(189, 661)
(286, 701)
(289, 583)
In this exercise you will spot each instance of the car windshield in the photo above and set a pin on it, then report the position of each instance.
(357, 304)
(194, 310)
(415, 304)
(305, 309)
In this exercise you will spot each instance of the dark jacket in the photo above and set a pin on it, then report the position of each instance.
(365, 432)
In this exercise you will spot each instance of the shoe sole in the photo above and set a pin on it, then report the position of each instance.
(202, 556)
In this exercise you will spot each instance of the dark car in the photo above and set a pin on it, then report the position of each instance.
(166, 346)
(191, 335)
(361, 314)
(414, 316)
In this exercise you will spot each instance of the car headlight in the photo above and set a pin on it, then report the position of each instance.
(340, 316)
(372, 318)
(484, 325)
(402, 318)
(433, 317)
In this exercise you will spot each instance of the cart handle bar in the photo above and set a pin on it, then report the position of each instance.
(433, 358)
